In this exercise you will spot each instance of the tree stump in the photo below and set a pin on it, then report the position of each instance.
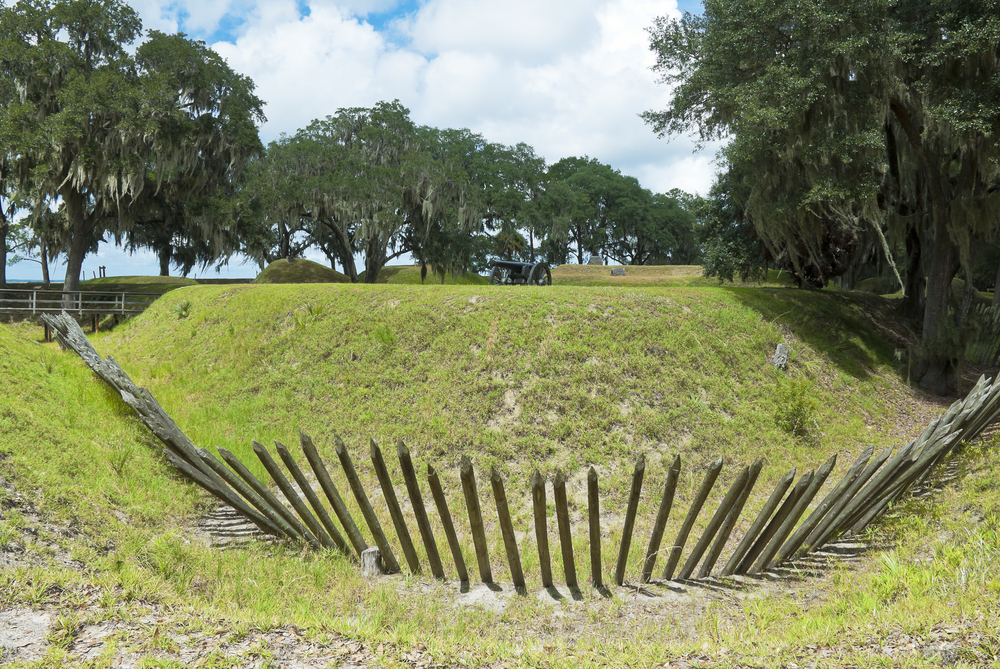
(371, 562)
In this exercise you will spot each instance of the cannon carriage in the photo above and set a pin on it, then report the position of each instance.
(510, 272)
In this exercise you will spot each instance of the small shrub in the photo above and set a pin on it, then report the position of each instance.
(183, 309)
(797, 408)
(384, 335)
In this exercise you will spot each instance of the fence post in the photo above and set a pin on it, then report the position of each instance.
(286, 488)
(331, 492)
(594, 514)
(311, 497)
(391, 565)
(731, 518)
(713, 525)
(417, 501)
(633, 505)
(437, 492)
(565, 532)
(666, 501)
(507, 529)
(475, 518)
(699, 501)
(541, 528)
(402, 532)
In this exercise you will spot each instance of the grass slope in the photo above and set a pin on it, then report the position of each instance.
(516, 378)
(651, 275)
(410, 275)
(299, 270)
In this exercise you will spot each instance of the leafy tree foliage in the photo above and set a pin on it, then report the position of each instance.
(123, 143)
(852, 117)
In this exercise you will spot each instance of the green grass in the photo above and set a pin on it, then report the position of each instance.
(410, 275)
(299, 270)
(675, 276)
(517, 378)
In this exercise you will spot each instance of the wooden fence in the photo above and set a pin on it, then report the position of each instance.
(869, 487)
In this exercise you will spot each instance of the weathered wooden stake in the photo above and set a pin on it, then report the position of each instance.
(259, 488)
(332, 494)
(699, 501)
(311, 497)
(594, 514)
(507, 529)
(565, 531)
(714, 524)
(730, 522)
(247, 492)
(666, 501)
(775, 522)
(541, 528)
(633, 505)
(388, 559)
(286, 489)
(437, 492)
(758, 524)
(394, 511)
(766, 557)
(419, 512)
(224, 495)
(475, 519)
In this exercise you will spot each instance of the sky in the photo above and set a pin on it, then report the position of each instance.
(568, 77)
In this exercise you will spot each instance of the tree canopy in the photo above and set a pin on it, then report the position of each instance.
(120, 142)
(846, 120)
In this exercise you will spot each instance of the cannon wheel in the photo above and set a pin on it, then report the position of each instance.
(496, 276)
(540, 275)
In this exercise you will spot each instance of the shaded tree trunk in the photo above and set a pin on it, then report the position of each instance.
(165, 253)
(81, 227)
(3, 252)
(914, 291)
(936, 365)
(996, 289)
(44, 248)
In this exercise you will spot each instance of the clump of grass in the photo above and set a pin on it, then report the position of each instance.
(797, 407)
(183, 309)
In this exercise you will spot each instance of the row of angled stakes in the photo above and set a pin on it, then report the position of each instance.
(864, 492)
(870, 486)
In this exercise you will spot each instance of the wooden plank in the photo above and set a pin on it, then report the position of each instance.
(396, 513)
(471, 493)
(772, 527)
(633, 504)
(437, 492)
(666, 502)
(507, 529)
(419, 512)
(758, 524)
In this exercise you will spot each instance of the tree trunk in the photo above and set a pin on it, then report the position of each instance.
(914, 292)
(374, 259)
(44, 248)
(531, 242)
(996, 289)
(936, 364)
(3, 254)
(165, 254)
(81, 227)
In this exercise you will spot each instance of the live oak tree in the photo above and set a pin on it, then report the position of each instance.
(877, 115)
(122, 143)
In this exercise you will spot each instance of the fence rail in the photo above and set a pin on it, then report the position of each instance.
(20, 302)
(867, 489)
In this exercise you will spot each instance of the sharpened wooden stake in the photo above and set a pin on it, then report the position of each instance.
(437, 492)
(419, 512)
(261, 489)
(699, 501)
(240, 486)
(541, 528)
(565, 532)
(402, 532)
(594, 514)
(311, 497)
(507, 529)
(332, 494)
(730, 522)
(633, 505)
(758, 524)
(714, 524)
(775, 522)
(666, 501)
(475, 519)
(767, 556)
(286, 489)
(388, 558)
(224, 495)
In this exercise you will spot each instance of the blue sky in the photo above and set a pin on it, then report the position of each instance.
(568, 77)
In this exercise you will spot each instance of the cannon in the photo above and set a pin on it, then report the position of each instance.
(509, 272)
